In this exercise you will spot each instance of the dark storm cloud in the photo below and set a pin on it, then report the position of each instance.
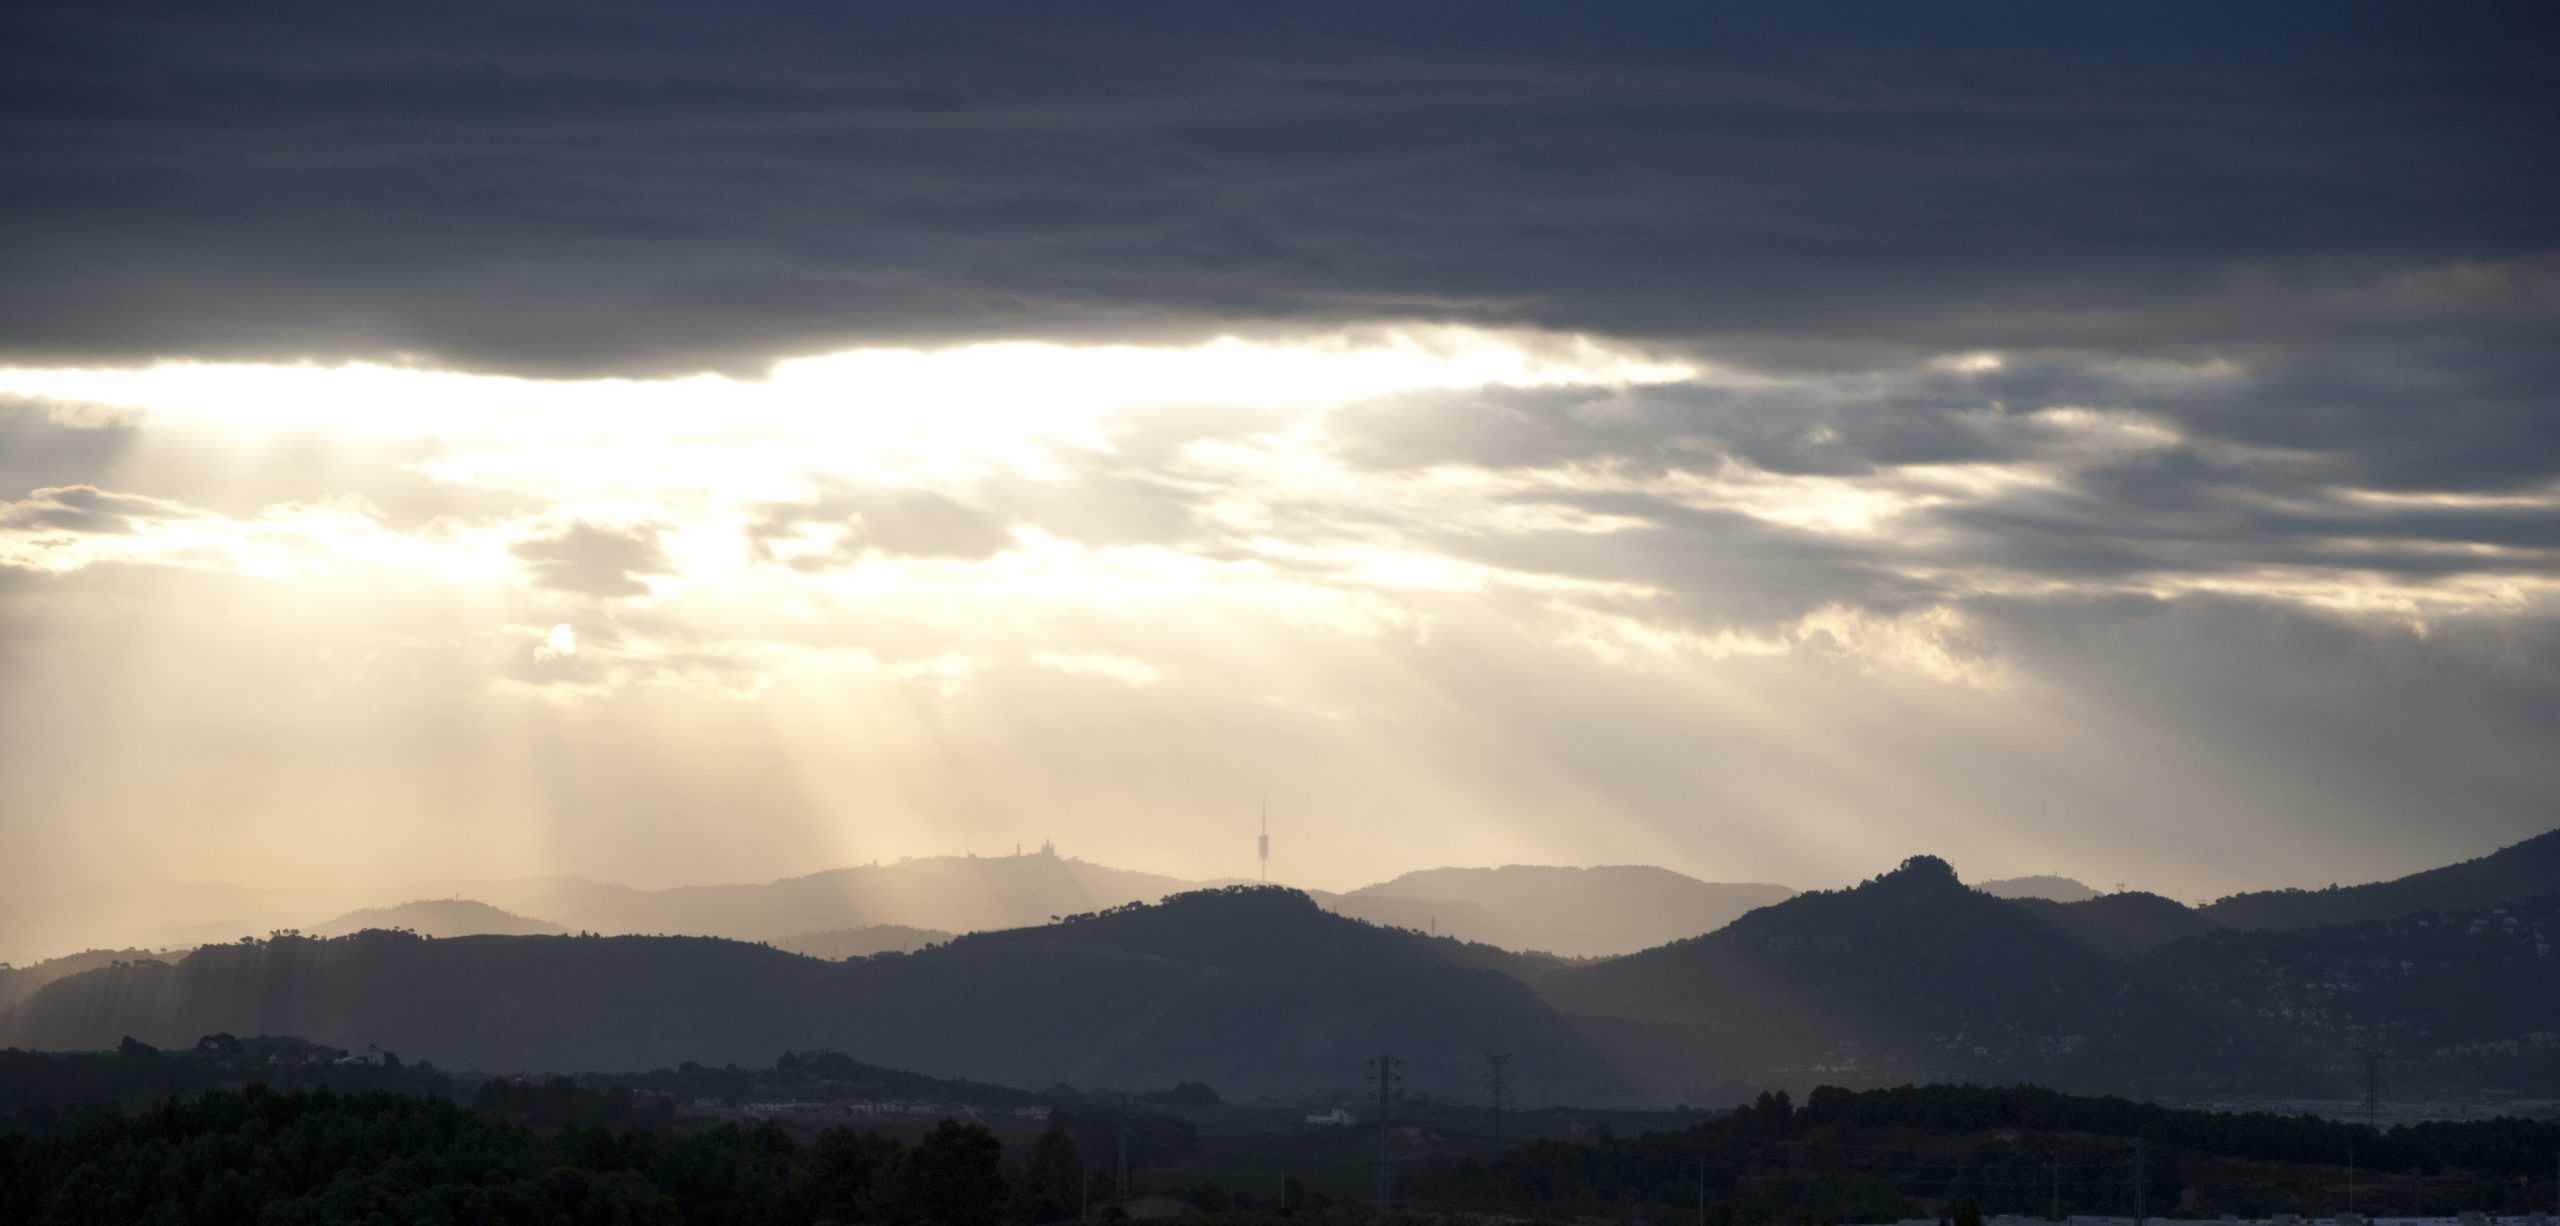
(2142, 471)
(593, 561)
(673, 187)
(2317, 248)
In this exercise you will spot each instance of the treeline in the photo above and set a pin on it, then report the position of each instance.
(1914, 1151)
(49, 1091)
(315, 1157)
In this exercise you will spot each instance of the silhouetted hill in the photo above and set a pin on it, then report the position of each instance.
(2043, 885)
(2512, 874)
(439, 917)
(839, 944)
(2475, 990)
(1250, 990)
(2120, 924)
(1575, 912)
(497, 1003)
(20, 982)
(1260, 990)
(1910, 975)
(947, 893)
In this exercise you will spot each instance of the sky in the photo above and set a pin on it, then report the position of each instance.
(665, 445)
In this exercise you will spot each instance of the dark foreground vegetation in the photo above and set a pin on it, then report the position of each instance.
(314, 1157)
(557, 1151)
(1922, 1151)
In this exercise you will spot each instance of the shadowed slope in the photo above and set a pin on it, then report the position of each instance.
(2120, 924)
(1574, 912)
(1251, 990)
(2511, 874)
(1910, 975)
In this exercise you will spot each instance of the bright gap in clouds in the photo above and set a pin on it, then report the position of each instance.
(1447, 594)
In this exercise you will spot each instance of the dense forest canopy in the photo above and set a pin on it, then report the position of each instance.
(559, 1150)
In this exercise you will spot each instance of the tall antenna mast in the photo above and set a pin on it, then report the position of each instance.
(1264, 848)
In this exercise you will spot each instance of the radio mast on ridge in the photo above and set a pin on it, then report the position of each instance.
(1263, 849)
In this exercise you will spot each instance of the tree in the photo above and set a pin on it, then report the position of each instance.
(846, 1176)
(1052, 1186)
(1968, 1211)
(956, 1175)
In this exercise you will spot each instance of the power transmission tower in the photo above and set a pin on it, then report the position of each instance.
(1497, 1059)
(1121, 1183)
(2057, 1187)
(1702, 1192)
(2141, 1186)
(1387, 1083)
(2373, 1088)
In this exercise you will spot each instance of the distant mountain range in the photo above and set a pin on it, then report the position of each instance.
(1572, 912)
(1909, 976)
(1577, 912)
(439, 917)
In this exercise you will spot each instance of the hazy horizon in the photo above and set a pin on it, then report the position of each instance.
(442, 887)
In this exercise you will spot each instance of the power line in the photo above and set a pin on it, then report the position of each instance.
(1387, 1083)
(2141, 1186)
(2372, 1086)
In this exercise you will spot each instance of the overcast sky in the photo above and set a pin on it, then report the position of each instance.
(654, 444)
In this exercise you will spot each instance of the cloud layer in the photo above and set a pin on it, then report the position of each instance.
(666, 190)
(1454, 594)
(1763, 442)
